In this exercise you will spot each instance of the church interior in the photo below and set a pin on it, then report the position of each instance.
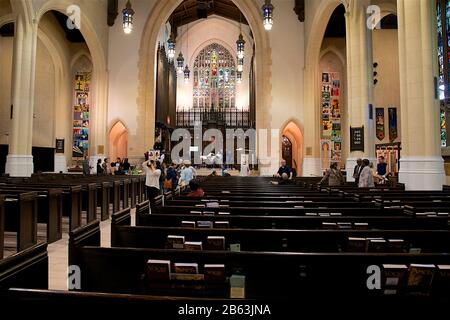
(184, 150)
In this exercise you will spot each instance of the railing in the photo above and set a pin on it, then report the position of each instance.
(233, 118)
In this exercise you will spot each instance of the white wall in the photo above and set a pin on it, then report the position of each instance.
(202, 33)
(123, 59)
(387, 90)
(287, 42)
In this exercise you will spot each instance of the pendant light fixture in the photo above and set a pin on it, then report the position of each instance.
(267, 11)
(187, 72)
(239, 77)
(180, 59)
(127, 15)
(240, 43)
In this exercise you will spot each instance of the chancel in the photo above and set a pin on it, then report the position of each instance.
(221, 158)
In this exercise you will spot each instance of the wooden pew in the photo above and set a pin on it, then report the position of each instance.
(27, 268)
(280, 275)
(21, 217)
(49, 209)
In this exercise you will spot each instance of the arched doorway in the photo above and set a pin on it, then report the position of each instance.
(292, 146)
(118, 141)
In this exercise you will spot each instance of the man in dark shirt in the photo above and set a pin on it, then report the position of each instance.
(284, 169)
(357, 170)
(381, 167)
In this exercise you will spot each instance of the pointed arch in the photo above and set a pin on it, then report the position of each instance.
(118, 141)
(292, 129)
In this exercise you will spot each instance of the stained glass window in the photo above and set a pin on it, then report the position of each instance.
(214, 78)
(443, 129)
(440, 53)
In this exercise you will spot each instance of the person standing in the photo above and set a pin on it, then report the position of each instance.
(382, 169)
(357, 170)
(333, 176)
(99, 167)
(366, 177)
(187, 174)
(171, 175)
(86, 166)
(152, 174)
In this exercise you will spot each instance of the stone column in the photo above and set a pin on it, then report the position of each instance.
(19, 162)
(359, 80)
(421, 163)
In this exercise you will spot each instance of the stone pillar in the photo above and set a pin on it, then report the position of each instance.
(421, 163)
(19, 162)
(311, 161)
(359, 81)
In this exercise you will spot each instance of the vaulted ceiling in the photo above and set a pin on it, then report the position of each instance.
(191, 10)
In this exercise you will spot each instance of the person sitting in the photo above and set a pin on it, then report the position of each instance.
(284, 169)
(333, 176)
(284, 180)
(196, 191)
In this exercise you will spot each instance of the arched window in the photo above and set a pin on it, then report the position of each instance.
(214, 78)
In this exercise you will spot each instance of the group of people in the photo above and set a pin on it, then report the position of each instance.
(161, 178)
(364, 174)
(120, 167)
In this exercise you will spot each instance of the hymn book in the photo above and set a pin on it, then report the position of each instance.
(158, 269)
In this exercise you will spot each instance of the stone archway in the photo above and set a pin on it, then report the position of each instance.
(292, 130)
(118, 141)
(147, 67)
(311, 163)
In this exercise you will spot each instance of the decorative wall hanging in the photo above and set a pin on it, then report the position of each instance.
(393, 132)
(331, 117)
(380, 123)
(81, 115)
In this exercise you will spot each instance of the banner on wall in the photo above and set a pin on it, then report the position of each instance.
(331, 143)
(393, 133)
(81, 115)
(379, 121)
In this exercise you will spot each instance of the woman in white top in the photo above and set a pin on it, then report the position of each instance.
(152, 175)
(366, 177)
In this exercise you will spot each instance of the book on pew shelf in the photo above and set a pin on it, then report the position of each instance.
(224, 200)
(214, 272)
(158, 269)
(396, 245)
(215, 243)
(187, 268)
(175, 242)
(415, 250)
(442, 214)
(307, 201)
(324, 214)
(188, 224)
(200, 205)
(221, 224)
(224, 206)
(187, 277)
(356, 244)
(335, 214)
(222, 213)
(344, 225)
(235, 247)
(195, 212)
(420, 278)
(237, 287)
(193, 246)
(361, 226)
(225, 191)
(329, 225)
(212, 204)
(312, 214)
(299, 207)
(394, 276)
(208, 213)
(204, 224)
(377, 245)
(443, 277)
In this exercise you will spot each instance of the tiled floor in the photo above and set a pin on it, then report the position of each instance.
(58, 255)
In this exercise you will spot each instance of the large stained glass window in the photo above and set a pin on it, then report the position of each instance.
(214, 78)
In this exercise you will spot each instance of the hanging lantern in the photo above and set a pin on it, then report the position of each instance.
(239, 77)
(187, 73)
(240, 64)
(171, 47)
(127, 15)
(240, 44)
(180, 63)
(267, 10)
